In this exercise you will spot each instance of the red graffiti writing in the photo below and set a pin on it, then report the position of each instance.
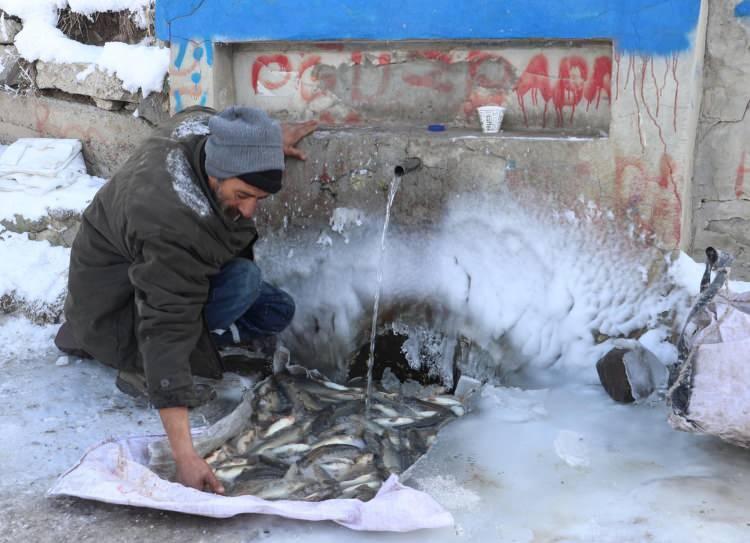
(489, 78)
(359, 97)
(652, 200)
(265, 61)
(435, 77)
(45, 127)
(571, 86)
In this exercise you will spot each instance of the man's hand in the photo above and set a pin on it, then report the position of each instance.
(292, 133)
(194, 472)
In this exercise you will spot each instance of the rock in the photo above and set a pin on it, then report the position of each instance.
(630, 372)
(611, 370)
(80, 78)
(10, 69)
(59, 227)
(154, 107)
(108, 105)
(8, 29)
(21, 224)
(69, 235)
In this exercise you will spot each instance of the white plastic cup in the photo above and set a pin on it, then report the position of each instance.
(491, 117)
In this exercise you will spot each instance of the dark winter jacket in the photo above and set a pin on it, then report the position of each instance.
(141, 262)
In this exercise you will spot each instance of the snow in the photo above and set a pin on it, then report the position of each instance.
(89, 7)
(139, 66)
(33, 272)
(687, 273)
(183, 185)
(19, 339)
(193, 126)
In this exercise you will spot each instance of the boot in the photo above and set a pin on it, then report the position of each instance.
(250, 357)
(65, 341)
(134, 385)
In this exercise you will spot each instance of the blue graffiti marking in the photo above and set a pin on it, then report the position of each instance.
(204, 97)
(180, 55)
(742, 9)
(198, 53)
(177, 101)
(659, 27)
(209, 52)
(196, 77)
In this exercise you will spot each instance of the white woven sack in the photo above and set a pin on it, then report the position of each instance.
(711, 392)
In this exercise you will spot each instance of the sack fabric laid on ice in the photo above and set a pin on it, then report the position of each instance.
(124, 471)
(115, 472)
(710, 390)
(41, 165)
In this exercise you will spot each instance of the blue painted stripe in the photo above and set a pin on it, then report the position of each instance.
(180, 55)
(742, 9)
(645, 26)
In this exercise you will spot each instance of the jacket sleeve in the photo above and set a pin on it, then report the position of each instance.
(171, 288)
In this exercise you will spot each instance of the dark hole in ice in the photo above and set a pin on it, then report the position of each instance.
(388, 354)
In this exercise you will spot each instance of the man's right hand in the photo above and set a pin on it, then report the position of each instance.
(194, 472)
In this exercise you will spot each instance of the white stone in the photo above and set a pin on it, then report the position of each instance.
(108, 105)
(92, 82)
(8, 29)
(9, 68)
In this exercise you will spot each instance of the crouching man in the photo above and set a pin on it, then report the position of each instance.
(161, 271)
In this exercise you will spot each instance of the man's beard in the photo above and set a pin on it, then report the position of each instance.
(231, 213)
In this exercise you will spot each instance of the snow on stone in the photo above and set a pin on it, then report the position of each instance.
(33, 275)
(40, 10)
(182, 183)
(89, 7)
(344, 217)
(137, 65)
(38, 175)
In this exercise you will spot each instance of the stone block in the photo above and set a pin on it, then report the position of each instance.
(8, 29)
(79, 78)
(9, 65)
(108, 105)
(108, 137)
(154, 108)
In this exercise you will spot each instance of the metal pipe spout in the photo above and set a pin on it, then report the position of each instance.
(406, 166)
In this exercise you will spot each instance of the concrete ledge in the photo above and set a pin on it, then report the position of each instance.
(108, 137)
(84, 79)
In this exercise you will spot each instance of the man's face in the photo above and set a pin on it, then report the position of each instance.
(237, 198)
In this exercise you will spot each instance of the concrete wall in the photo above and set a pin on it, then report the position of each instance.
(721, 198)
(621, 117)
(414, 83)
(108, 137)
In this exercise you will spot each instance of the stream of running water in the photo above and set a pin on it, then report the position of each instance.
(371, 359)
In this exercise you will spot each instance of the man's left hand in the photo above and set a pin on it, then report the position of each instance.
(292, 133)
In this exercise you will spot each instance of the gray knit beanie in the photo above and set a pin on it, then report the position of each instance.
(243, 140)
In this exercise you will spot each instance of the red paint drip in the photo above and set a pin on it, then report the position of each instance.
(739, 182)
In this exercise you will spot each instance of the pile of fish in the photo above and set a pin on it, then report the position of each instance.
(308, 438)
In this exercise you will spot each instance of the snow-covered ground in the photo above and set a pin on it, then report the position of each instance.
(559, 463)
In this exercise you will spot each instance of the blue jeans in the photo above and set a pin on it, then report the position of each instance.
(239, 296)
